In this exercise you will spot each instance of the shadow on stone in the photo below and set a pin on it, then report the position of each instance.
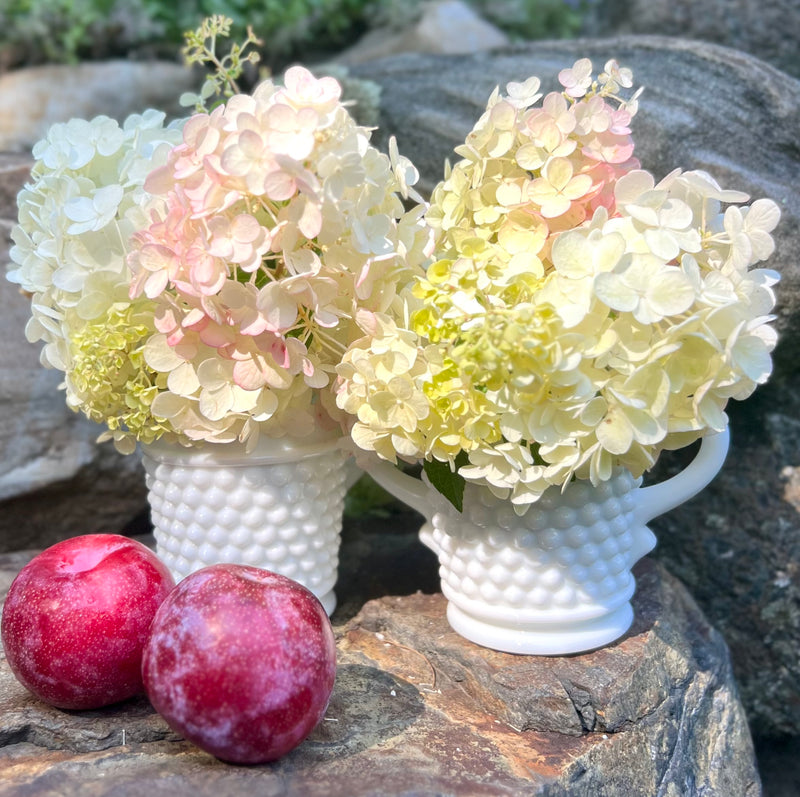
(382, 555)
(368, 708)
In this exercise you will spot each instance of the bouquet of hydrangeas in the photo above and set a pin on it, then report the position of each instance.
(578, 315)
(202, 281)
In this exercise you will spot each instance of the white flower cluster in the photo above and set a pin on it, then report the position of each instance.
(579, 316)
(683, 318)
(255, 270)
(83, 203)
(76, 217)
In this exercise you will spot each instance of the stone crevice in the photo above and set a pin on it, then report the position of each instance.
(582, 703)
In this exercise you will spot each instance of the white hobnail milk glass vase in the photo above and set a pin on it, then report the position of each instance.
(279, 507)
(558, 579)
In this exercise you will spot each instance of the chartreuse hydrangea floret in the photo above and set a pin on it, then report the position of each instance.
(109, 379)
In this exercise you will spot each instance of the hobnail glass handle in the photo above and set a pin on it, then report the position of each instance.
(403, 487)
(660, 498)
(652, 501)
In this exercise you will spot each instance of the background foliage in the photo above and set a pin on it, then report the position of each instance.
(68, 31)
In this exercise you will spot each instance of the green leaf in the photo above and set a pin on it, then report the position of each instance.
(450, 484)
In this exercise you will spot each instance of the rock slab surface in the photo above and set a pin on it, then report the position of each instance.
(418, 710)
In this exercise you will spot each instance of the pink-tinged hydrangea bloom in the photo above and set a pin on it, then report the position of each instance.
(576, 80)
(279, 223)
(558, 187)
(615, 77)
(578, 315)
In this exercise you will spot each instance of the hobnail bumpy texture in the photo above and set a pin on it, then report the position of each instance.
(568, 557)
(285, 517)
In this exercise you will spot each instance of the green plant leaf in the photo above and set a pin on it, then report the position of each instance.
(449, 483)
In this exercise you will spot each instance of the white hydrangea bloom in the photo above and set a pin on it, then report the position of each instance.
(84, 201)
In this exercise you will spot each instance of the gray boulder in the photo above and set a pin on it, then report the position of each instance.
(33, 98)
(737, 546)
(769, 31)
(443, 27)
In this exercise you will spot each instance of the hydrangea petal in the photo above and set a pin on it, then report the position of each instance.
(183, 380)
(615, 433)
(671, 292)
(611, 289)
